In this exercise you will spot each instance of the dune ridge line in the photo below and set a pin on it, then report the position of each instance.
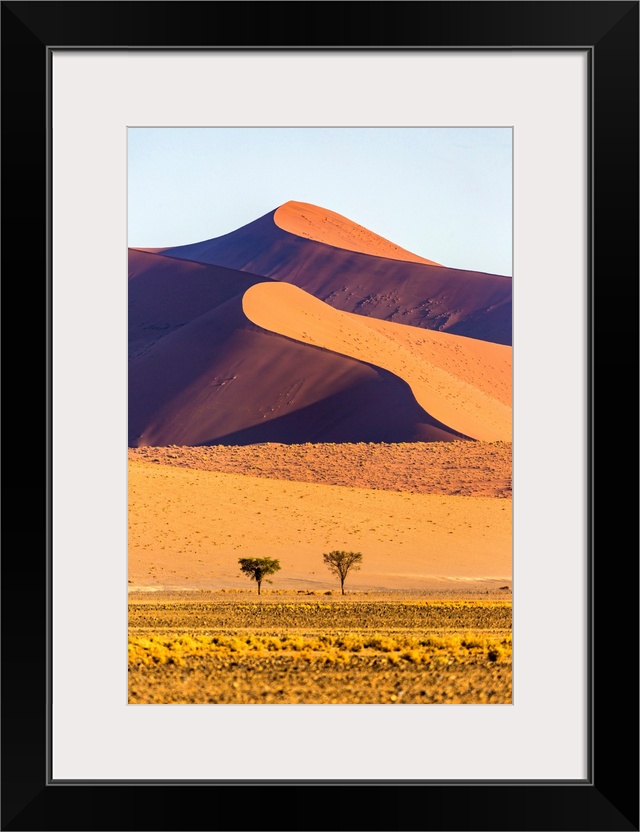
(315, 223)
(462, 382)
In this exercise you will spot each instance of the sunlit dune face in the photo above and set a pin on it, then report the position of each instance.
(323, 226)
(462, 382)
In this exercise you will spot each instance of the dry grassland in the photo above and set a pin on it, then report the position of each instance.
(326, 651)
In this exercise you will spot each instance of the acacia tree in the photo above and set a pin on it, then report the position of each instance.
(258, 568)
(341, 563)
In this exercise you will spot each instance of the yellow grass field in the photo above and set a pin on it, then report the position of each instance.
(325, 650)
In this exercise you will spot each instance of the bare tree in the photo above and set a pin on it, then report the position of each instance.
(258, 568)
(341, 563)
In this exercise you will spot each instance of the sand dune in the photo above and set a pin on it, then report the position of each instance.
(222, 379)
(188, 528)
(474, 304)
(333, 229)
(463, 383)
(226, 347)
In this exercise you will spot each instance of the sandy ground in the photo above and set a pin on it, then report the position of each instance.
(462, 382)
(188, 528)
(459, 593)
(333, 229)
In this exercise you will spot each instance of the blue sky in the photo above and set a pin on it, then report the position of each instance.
(443, 193)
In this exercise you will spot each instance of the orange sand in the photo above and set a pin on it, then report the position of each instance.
(187, 529)
(323, 226)
(462, 382)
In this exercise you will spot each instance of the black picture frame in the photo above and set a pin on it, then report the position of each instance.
(608, 798)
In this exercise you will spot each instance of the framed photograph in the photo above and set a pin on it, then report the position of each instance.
(97, 97)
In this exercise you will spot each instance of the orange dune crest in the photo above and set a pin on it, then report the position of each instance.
(323, 226)
(462, 382)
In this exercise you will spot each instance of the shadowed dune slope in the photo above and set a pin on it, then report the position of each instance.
(325, 226)
(474, 304)
(220, 378)
(462, 382)
(166, 293)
